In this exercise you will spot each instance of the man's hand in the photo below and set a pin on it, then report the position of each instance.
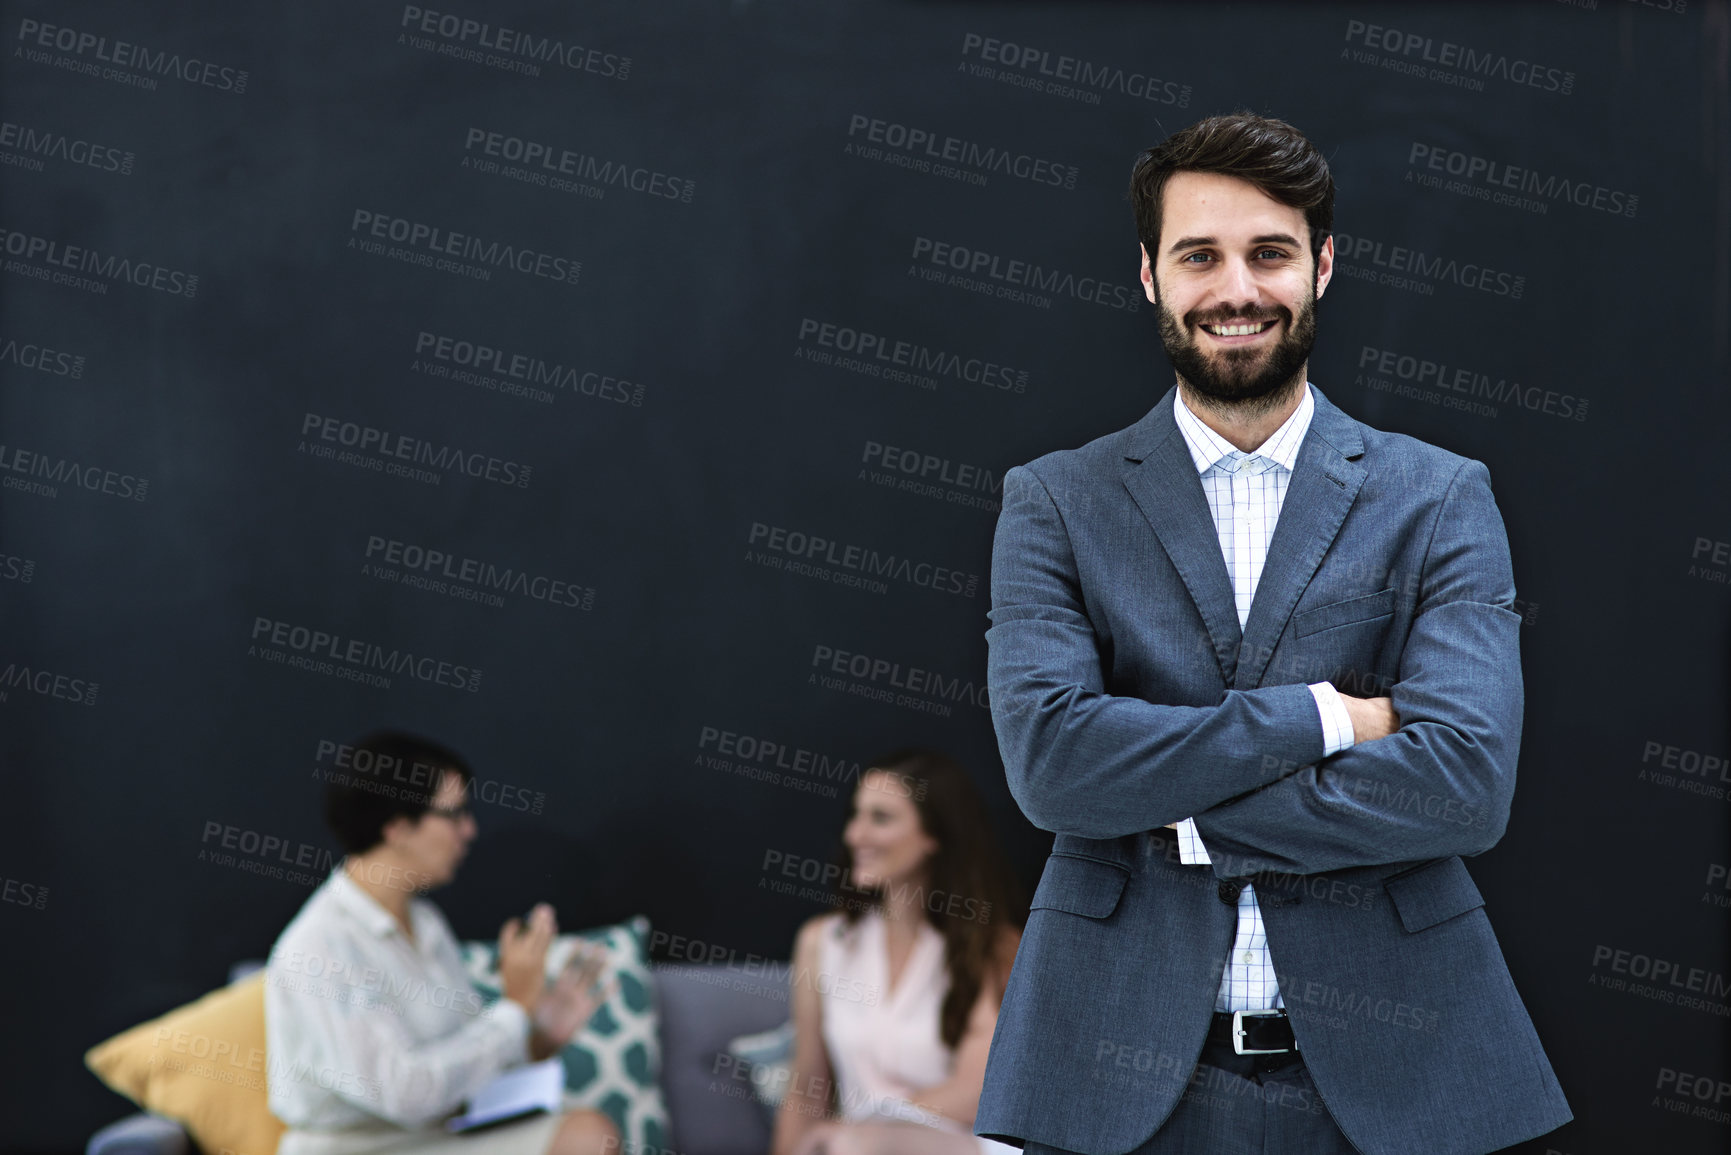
(523, 956)
(1372, 718)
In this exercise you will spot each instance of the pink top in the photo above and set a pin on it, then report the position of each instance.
(883, 1044)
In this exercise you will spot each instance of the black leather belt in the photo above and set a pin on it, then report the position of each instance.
(1250, 1040)
(1252, 1032)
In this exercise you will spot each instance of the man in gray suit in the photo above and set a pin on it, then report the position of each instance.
(1254, 663)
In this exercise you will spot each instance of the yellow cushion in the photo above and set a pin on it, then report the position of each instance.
(202, 1065)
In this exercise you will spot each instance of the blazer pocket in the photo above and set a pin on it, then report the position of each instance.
(1084, 886)
(1346, 613)
(1433, 893)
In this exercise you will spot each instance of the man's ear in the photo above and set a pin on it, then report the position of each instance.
(1149, 288)
(1325, 265)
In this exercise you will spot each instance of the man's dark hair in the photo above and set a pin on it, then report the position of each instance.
(1270, 154)
(390, 774)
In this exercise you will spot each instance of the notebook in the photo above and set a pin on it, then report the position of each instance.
(520, 1092)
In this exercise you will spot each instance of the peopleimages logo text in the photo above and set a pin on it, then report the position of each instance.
(319, 645)
(513, 42)
(1401, 259)
(1104, 77)
(437, 564)
(81, 258)
(1461, 57)
(484, 358)
(17, 677)
(58, 146)
(1460, 379)
(934, 146)
(911, 355)
(370, 439)
(127, 55)
(30, 355)
(66, 471)
(431, 239)
(819, 550)
(1491, 175)
(555, 161)
(978, 263)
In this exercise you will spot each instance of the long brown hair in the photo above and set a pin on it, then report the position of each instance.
(970, 893)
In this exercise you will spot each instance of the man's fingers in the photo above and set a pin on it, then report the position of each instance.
(1390, 720)
(1372, 718)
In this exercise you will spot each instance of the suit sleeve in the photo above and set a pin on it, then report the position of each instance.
(1440, 785)
(1083, 761)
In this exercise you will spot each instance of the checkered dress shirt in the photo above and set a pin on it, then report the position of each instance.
(1245, 492)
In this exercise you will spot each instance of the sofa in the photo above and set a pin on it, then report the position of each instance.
(710, 1106)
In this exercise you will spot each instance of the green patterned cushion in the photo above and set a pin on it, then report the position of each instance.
(613, 1065)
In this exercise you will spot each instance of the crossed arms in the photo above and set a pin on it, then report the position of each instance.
(1251, 769)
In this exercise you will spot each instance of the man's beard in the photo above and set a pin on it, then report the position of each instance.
(1250, 380)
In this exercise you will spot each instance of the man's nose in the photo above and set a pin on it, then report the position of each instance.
(1237, 285)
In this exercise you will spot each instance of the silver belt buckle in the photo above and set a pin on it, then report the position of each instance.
(1238, 1047)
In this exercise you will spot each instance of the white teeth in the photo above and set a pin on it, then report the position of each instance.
(1236, 330)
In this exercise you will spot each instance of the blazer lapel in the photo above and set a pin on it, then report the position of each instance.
(1325, 482)
(1164, 483)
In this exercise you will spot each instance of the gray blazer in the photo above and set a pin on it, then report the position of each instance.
(1125, 697)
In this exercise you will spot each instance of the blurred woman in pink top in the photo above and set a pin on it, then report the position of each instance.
(896, 993)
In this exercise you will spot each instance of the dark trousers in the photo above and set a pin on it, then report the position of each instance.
(1257, 1112)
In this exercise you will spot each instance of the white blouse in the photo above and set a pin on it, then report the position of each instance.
(366, 1029)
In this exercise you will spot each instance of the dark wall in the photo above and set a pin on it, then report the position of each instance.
(701, 304)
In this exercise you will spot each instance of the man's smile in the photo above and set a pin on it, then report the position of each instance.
(1238, 332)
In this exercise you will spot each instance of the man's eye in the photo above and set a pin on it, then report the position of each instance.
(1193, 256)
(1276, 254)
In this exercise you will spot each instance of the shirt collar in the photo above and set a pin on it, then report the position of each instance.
(360, 905)
(1208, 447)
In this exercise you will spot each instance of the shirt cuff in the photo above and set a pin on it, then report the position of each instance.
(1336, 722)
(1191, 852)
(515, 1020)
